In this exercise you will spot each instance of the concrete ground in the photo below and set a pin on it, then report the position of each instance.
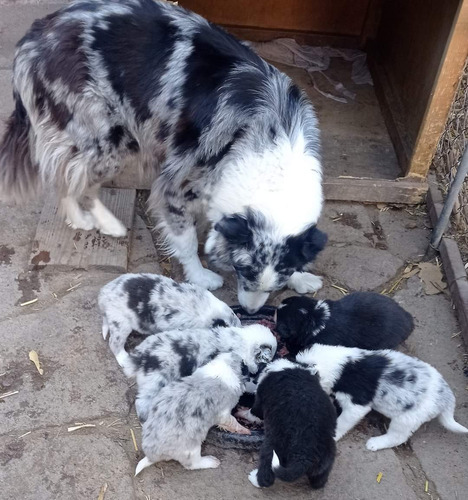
(40, 459)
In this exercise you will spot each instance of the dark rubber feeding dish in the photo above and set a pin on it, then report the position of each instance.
(230, 439)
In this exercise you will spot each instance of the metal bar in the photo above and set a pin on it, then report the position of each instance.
(455, 187)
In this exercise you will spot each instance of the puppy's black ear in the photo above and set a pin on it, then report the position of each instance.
(314, 242)
(235, 229)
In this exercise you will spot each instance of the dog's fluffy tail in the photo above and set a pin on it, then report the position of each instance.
(19, 176)
(446, 419)
(142, 464)
(288, 474)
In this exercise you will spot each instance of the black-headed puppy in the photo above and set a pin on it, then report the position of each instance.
(362, 319)
(299, 422)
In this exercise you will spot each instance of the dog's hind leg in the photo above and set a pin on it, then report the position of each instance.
(263, 477)
(319, 480)
(350, 416)
(104, 219)
(399, 431)
(119, 332)
(75, 217)
(193, 460)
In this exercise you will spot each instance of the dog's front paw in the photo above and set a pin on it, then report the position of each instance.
(304, 282)
(247, 415)
(376, 443)
(206, 279)
(253, 478)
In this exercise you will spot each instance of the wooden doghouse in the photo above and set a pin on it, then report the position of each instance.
(379, 148)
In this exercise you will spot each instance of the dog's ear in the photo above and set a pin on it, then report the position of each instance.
(304, 247)
(314, 241)
(235, 228)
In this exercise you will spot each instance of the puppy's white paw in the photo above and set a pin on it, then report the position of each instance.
(209, 462)
(247, 415)
(206, 279)
(112, 227)
(84, 221)
(124, 360)
(377, 443)
(253, 478)
(304, 282)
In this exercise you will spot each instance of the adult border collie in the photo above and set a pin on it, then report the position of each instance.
(104, 84)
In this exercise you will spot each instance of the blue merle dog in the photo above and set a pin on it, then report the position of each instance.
(103, 85)
(151, 303)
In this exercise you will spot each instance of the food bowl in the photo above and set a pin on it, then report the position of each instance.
(252, 441)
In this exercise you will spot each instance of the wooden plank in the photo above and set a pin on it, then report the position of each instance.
(442, 95)
(391, 108)
(342, 17)
(57, 246)
(404, 191)
(132, 178)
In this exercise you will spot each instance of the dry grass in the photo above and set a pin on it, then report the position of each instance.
(447, 159)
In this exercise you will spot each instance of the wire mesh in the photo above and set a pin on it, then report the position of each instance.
(447, 159)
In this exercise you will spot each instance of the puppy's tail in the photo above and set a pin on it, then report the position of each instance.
(288, 474)
(19, 176)
(142, 464)
(446, 419)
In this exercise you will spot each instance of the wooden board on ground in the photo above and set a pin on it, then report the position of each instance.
(58, 246)
(405, 191)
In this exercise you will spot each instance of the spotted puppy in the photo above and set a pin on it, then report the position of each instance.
(299, 421)
(150, 303)
(101, 86)
(362, 319)
(404, 389)
(182, 413)
(175, 354)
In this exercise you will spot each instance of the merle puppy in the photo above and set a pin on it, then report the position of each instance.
(172, 355)
(105, 85)
(182, 413)
(404, 389)
(150, 303)
(299, 421)
(362, 319)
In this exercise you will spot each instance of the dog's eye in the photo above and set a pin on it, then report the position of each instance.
(246, 272)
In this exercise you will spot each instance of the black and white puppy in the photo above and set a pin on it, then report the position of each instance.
(150, 303)
(182, 413)
(101, 86)
(299, 422)
(404, 389)
(362, 319)
(172, 355)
